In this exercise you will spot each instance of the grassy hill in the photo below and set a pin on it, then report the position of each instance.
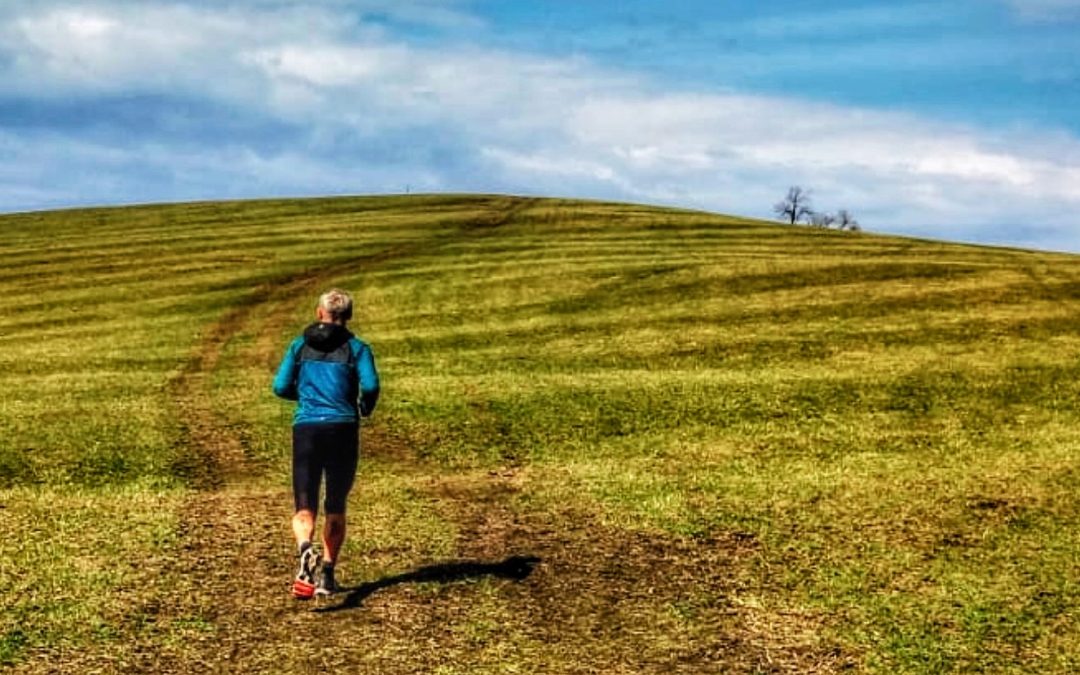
(612, 438)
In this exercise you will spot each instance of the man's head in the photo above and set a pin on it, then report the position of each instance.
(335, 306)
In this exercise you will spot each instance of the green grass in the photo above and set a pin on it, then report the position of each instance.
(893, 421)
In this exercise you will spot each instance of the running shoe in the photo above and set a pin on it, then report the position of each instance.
(326, 585)
(303, 586)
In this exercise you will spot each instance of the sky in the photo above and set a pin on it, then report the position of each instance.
(951, 120)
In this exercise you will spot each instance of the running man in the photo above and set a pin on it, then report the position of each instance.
(331, 374)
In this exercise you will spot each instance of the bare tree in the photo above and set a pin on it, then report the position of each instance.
(822, 219)
(846, 221)
(795, 206)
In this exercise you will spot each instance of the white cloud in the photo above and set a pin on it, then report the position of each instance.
(63, 51)
(700, 136)
(814, 24)
(326, 67)
(1046, 10)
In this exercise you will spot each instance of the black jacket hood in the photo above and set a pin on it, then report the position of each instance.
(326, 337)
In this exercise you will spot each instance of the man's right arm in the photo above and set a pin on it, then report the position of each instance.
(369, 380)
(285, 380)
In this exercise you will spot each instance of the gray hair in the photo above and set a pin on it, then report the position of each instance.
(337, 303)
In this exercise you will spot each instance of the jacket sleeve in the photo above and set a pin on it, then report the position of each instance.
(368, 377)
(285, 380)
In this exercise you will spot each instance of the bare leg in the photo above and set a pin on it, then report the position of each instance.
(303, 525)
(333, 536)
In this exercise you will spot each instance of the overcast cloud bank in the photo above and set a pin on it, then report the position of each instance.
(114, 102)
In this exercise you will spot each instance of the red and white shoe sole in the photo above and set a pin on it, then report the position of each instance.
(304, 590)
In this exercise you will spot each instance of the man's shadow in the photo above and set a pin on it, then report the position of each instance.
(515, 567)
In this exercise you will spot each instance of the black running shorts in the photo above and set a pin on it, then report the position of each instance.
(330, 449)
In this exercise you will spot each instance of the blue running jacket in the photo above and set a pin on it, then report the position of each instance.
(331, 373)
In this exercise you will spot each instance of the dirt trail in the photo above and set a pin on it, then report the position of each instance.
(570, 594)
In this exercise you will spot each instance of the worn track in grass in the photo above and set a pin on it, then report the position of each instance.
(561, 591)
